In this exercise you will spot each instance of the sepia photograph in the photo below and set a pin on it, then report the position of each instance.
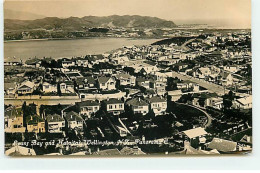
(125, 78)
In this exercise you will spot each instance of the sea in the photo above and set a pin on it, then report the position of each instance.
(28, 49)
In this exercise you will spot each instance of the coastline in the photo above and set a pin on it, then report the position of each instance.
(82, 38)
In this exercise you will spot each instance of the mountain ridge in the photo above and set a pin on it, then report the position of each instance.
(80, 23)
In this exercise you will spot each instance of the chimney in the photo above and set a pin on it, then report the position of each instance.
(31, 118)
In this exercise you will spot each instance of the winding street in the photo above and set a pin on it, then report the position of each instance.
(209, 120)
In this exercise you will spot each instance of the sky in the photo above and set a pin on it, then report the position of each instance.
(229, 12)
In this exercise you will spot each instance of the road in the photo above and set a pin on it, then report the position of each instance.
(211, 87)
(209, 120)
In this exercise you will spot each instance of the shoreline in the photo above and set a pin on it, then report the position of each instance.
(83, 38)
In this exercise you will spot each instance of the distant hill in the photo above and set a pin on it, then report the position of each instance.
(75, 23)
(19, 15)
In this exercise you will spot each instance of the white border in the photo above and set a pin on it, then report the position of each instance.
(223, 162)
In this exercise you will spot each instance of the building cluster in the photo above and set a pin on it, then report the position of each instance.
(133, 80)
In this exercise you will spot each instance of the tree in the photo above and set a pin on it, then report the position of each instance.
(58, 89)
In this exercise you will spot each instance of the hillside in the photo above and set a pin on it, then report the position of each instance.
(75, 23)
(19, 15)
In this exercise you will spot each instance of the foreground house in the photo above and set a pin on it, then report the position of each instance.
(138, 105)
(222, 145)
(195, 136)
(14, 120)
(35, 124)
(114, 106)
(20, 151)
(55, 123)
(75, 121)
(158, 105)
(88, 108)
(243, 103)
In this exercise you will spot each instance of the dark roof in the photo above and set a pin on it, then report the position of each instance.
(9, 85)
(35, 119)
(88, 103)
(113, 101)
(103, 79)
(54, 118)
(73, 116)
(13, 112)
(91, 80)
(155, 99)
(137, 102)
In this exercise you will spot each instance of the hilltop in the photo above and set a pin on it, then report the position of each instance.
(76, 23)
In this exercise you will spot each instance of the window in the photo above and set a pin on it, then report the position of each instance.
(110, 107)
(103, 84)
(120, 106)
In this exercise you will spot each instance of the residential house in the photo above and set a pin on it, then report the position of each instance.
(35, 124)
(142, 82)
(14, 120)
(137, 105)
(67, 87)
(126, 79)
(195, 136)
(55, 123)
(10, 88)
(88, 108)
(107, 83)
(225, 78)
(243, 103)
(26, 87)
(49, 88)
(158, 105)
(74, 120)
(20, 151)
(68, 63)
(114, 106)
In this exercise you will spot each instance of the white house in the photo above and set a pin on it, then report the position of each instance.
(67, 87)
(55, 123)
(26, 87)
(107, 83)
(126, 79)
(138, 106)
(75, 121)
(158, 105)
(244, 103)
(88, 108)
(114, 106)
(49, 88)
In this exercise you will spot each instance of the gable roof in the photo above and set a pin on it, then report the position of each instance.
(137, 102)
(222, 145)
(30, 120)
(113, 101)
(192, 133)
(27, 84)
(54, 118)
(245, 100)
(73, 116)
(103, 79)
(155, 99)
